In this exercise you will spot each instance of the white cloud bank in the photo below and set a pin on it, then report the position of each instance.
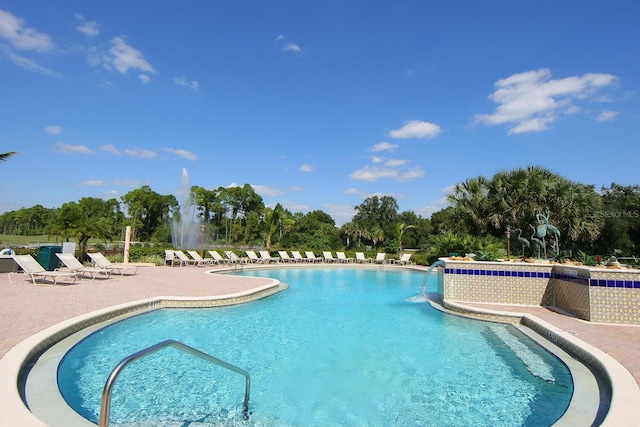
(532, 101)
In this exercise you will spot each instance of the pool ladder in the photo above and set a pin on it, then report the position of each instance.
(105, 404)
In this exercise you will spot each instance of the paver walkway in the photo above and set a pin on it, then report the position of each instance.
(27, 309)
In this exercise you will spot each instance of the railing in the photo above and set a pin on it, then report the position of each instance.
(105, 404)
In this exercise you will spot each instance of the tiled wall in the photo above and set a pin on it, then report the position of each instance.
(595, 294)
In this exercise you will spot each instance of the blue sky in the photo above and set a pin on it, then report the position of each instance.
(317, 104)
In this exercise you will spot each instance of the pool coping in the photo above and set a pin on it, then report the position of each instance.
(12, 365)
(624, 391)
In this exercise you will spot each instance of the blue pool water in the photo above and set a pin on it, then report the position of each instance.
(340, 347)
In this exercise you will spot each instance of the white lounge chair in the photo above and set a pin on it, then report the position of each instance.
(360, 258)
(297, 257)
(253, 257)
(201, 261)
(233, 258)
(380, 258)
(311, 257)
(169, 257)
(328, 256)
(101, 261)
(343, 258)
(265, 256)
(284, 256)
(404, 260)
(183, 259)
(217, 258)
(72, 264)
(31, 269)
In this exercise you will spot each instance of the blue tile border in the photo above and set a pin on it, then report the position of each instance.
(603, 283)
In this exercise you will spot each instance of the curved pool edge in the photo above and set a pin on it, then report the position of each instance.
(16, 360)
(623, 389)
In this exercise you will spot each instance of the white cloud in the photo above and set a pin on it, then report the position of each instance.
(412, 173)
(53, 129)
(265, 191)
(377, 159)
(182, 153)
(369, 173)
(26, 63)
(93, 183)
(416, 129)
(128, 183)
(288, 46)
(341, 214)
(296, 188)
(352, 191)
(63, 147)
(141, 154)
(109, 148)
(427, 211)
(295, 206)
(306, 168)
(532, 101)
(396, 162)
(383, 146)
(14, 31)
(123, 58)
(607, 116)
(181, 81)
(89, 28)
(291, 47)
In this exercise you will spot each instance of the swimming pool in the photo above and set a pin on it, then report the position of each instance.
(340, 347)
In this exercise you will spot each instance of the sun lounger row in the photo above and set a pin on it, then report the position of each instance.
(179, 258)
(72, 271)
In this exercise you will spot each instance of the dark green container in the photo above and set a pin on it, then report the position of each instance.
(47, 257)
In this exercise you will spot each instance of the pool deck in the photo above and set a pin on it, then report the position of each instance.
(27, 309)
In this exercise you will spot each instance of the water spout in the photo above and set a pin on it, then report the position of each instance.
(423, 295)
(185, 231)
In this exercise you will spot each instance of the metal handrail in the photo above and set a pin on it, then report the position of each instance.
(105, 404)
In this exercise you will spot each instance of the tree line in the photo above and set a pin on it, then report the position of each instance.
(480, 210)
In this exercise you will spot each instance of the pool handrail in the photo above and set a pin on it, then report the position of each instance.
(105, 404)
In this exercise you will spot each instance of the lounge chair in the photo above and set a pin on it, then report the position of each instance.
(169, 257)
(360, 258)
(233, 258)
(31, 269)
(343, 258)
(404, 260)
(101, 261)
(253, 257)
(311, 257)
(328, 256)
(380, 258)
(265, 256)
(72, 264)
(183, 259)
(201, 261)
(284, 256)
(217, 258)
(297, 257)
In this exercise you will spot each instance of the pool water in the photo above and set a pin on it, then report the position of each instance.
(340, 347)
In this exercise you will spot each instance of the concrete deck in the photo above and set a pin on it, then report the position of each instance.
(27, 309)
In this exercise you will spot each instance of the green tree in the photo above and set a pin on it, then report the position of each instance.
(89, 217)
(620, 215)
(148, 210)
(401, 228)
(513, 198)
(377, 213)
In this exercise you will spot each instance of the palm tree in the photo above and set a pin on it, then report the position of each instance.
(5, 156)
(400, 229)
